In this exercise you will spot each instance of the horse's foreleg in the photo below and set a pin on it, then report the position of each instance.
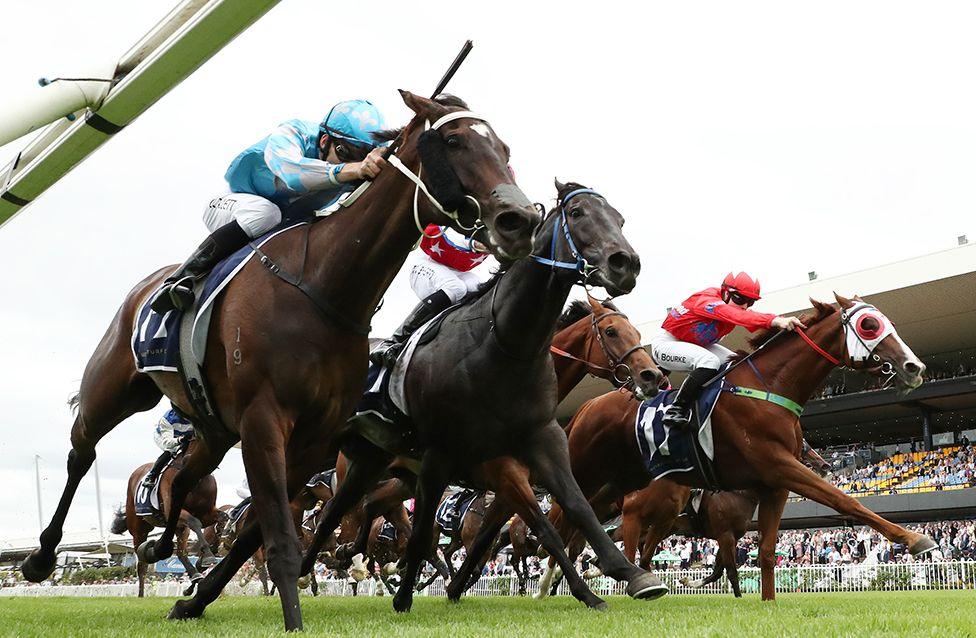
(467, 574)
(435, 471)
(726, 556)
(792, 475)
(771, 506)
(204, 553)
(549, 461)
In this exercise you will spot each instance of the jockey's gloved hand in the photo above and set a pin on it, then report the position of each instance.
(787, 323)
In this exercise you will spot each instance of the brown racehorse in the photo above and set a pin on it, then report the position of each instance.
(286, 363)
(757, 443)
(592, 337)
(198, 511)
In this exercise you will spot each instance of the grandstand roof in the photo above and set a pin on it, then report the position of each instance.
(931, 299)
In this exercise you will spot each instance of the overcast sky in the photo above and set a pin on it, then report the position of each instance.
(773, 137)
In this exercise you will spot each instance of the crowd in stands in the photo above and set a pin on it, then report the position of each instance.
(949, 467)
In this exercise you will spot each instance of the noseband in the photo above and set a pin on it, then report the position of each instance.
(615, 364)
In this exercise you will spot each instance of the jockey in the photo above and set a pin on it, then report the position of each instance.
(173, 435)
(688, 339)
(298, 157)
(442, 274)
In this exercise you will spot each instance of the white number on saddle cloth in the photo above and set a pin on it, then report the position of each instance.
(865, 328)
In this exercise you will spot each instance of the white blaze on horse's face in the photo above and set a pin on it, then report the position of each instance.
(482, 129)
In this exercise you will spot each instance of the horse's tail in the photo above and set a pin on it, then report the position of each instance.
(74, 402)
(118, 523)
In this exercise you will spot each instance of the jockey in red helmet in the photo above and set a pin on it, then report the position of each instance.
(688, 339)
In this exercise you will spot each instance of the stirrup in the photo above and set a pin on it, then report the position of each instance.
(174, 295)
(386, 353)
(677, 418)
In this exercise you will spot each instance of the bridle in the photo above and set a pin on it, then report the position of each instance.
(583, 269)
(626, 380)
(851, 335)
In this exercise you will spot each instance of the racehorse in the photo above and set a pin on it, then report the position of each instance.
(287, 353)
(757, 436)
(197, 512)
(221, 537)
(593, 337)
(494, 353)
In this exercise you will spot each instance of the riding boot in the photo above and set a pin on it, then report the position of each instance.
(177, 289)
(679, 414)
(386, 353)
(157, 467)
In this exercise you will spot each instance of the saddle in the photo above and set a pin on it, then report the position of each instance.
(451, 512)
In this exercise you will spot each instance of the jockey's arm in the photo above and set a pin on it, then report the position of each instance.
(286, 159)
(748, 319)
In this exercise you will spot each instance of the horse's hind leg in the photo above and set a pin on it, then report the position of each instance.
(111, 391)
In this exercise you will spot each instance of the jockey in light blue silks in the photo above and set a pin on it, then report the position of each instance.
(298, 157)
(173, 435)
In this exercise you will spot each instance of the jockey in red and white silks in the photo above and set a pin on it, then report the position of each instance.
(442, 272)
(688, 338)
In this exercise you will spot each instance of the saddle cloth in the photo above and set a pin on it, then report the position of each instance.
(237, 514)
(451, 512)
(692, 511)
(147, 498)
(667, 451)
(156, 338)
(387, 533)
(326, 478)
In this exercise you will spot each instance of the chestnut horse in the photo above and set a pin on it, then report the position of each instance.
(757, 443)
(286, 357)
(197, 512)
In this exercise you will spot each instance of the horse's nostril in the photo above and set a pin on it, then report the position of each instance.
(620, 261)
(647, 376)
(912, 368)
(511, 222)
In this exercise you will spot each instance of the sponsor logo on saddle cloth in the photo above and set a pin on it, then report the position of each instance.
(665, 450)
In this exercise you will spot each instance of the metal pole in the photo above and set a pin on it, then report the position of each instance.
(98, 504)
(37, 478)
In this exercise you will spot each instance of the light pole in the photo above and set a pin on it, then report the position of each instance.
(37, 478)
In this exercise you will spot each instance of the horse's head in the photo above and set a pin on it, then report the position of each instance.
(583, 236)
(627, 361)
(872, 341)
(465, 169)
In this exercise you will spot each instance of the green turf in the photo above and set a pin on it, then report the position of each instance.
(936, 613)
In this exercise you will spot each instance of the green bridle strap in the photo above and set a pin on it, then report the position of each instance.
(762, 395)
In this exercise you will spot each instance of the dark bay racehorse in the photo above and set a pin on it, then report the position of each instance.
(758, 443)
(493, 355)
(197, 512)
(285, 364)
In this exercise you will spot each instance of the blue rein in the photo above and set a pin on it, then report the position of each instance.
(580, 264)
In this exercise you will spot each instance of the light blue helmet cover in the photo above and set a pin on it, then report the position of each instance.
(353, 120)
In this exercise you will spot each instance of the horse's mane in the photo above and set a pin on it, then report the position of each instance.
(444, 99)
(820, 312)
(579, 309)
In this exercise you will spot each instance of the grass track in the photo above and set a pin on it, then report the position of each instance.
(932, 613)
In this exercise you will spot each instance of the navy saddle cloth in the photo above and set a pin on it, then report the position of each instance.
(452, 510)
(666, 450)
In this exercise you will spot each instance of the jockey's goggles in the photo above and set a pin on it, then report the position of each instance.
(741, 299)
(348, 150)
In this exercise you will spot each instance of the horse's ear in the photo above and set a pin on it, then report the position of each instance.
(419, 105)
(843, 301)
(594, 303)
(559, 185)
(821, 307)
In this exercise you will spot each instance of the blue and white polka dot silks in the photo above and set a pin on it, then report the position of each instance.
(286, 164)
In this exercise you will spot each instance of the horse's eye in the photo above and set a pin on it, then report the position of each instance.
(453, 141)
(576, 212)
(611, 332)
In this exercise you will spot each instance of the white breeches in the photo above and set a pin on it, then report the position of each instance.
(680, 356)
(255, 214)
(427, 277)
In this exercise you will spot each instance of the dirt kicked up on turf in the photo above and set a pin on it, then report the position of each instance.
(932, 613)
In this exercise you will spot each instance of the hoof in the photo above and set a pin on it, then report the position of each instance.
(190, 589)
(207, 561)
(304, 582)
(147, 552)
(646, 586)
(38, 567)
(184, 610)
(600, 606)
(402, 604)
(923, 546)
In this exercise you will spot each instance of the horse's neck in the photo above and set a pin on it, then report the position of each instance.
(573, 339)
(528, 302)
(356, 256)
(794, 369)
